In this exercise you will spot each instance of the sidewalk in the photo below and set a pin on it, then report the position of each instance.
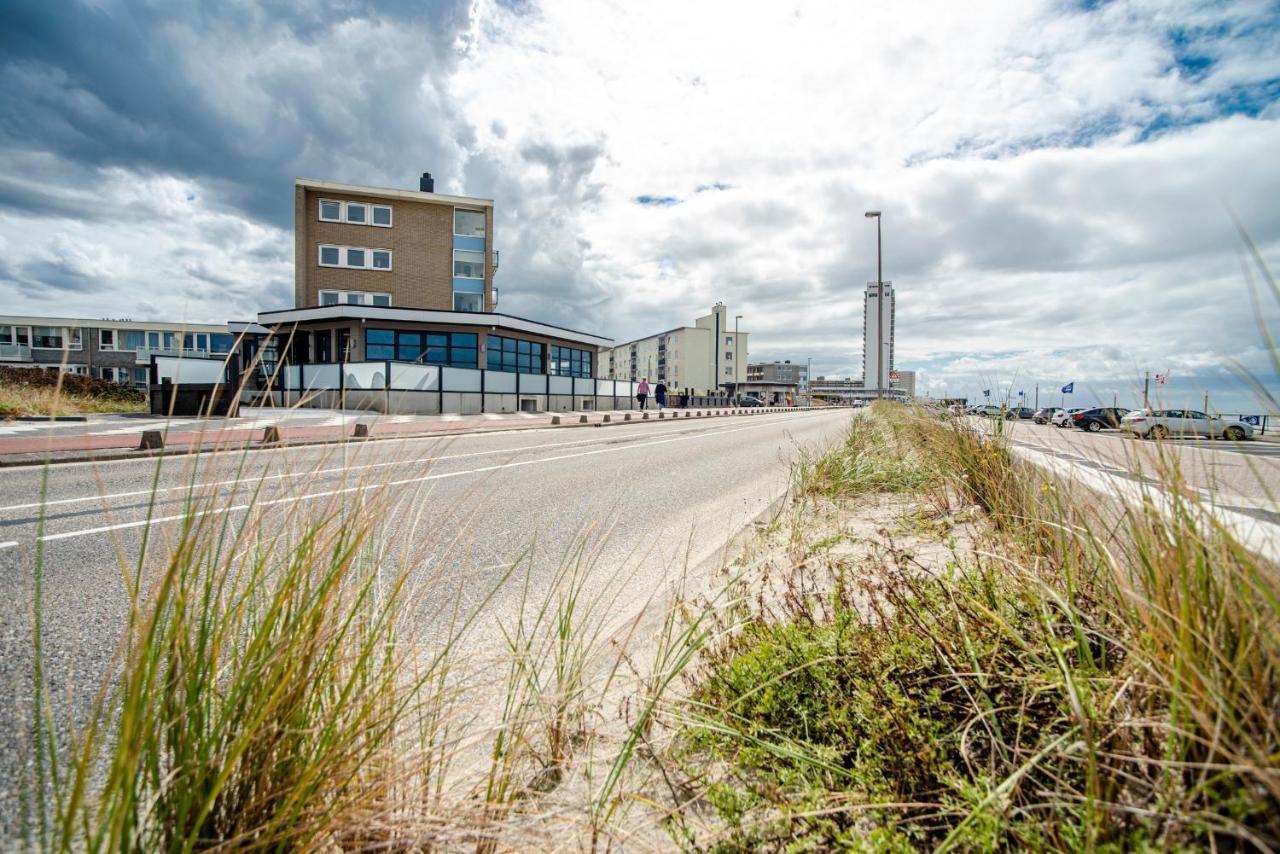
(105, 438)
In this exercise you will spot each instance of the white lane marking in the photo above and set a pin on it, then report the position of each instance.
(293, 499)
(9, 544)
(307, 473)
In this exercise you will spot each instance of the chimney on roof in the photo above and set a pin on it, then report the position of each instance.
(426, 183)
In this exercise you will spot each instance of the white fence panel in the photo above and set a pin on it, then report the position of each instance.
(604, 388)
(194, 371)
(500, 382)
(460, 379)
(411, 377)
(584, 385)
(317, 377)
(561, 385)
(533, 383)
(365, 375)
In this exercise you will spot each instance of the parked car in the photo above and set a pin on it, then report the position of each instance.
(750, 400)
(1043, 416)
(1062, 417)
(1098, 418)
(988, 411)
(1021, 412)
(1163, 423)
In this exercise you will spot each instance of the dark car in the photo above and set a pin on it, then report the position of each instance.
(750, 400)
(1021, 412)
(1098, 418)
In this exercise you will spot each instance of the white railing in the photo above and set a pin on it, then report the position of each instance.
(15, 353)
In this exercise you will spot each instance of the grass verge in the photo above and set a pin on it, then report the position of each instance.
(1082, 679)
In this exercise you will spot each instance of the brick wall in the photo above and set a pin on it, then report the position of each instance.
(420, 239)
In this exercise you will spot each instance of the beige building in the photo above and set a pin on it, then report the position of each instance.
(705, 357)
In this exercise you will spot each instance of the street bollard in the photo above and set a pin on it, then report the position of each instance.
(644, 416)
(152, 440)
(607, 419)
(661, 415)
(361, 431)
(555, 419)
(626, 417)
(270, 434)
(582, 419)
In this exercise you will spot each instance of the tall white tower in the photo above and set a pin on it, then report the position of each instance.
(872, 350)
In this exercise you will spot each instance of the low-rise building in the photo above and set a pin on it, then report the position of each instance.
(708, 357)
(117, 350)
(780, 372)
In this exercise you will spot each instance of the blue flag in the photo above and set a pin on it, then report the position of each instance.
(1068, 388)
(986, 392)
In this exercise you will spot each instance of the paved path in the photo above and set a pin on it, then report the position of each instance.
(106, 436)
(649, 499)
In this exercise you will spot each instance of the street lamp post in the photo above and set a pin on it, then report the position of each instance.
(808, 382)
(879, 305)
(737, 354)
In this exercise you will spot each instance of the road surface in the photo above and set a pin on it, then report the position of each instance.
(650, 498)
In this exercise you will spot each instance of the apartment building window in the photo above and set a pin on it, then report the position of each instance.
(468, 223)
(140, 376)
(20, 335)
(106, 339)
(354, 257)
(355, 213)
(454, 349)
(728, 355)
(728, 340)
(513, 354)
(354, 298)
(55, 337)
(468, 302)
(221, 342)
(467, 264)
(115, 375)
(569, 362)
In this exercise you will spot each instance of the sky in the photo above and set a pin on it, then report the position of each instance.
(1057, 179)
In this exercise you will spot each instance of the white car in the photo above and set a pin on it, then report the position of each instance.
(1062, 417)
(1163, 423)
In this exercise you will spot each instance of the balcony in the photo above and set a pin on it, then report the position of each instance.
(15, 353)
(145, 353)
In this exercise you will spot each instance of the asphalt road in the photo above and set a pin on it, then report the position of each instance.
(648, 499)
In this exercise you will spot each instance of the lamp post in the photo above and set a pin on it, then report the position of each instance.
(737, 354)
(879, 305)
(808, 381)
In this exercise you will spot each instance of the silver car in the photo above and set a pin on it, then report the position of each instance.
(1163, 423)
(1062, 417)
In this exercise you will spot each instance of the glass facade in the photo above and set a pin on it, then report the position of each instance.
(568, 362)
(455, 349)
(514, 355)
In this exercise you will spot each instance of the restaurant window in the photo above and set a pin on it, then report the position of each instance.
(570, 362)
(513, 355)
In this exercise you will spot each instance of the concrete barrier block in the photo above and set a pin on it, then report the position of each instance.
(607, 419)
(555, 419)
(626, 417)
(582, 419)
(152, 440)
(270, 434)
(644, 416)
(361, 431)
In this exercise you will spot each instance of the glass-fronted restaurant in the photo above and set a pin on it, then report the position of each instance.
(425, 361)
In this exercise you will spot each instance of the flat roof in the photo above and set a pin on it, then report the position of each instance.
(427, 315)
(106, 323)
(393, 193)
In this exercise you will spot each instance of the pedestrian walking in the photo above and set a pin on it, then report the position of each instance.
(642, 391)
(660, 394)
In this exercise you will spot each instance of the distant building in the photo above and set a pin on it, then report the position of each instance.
(116, 350)
(779, 372)
(706, 357)
(904, 381)
(872, 349)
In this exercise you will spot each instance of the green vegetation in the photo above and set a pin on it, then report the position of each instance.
(1084, 680)
(36, 391)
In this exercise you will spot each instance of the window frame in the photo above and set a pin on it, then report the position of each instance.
(341, 297)
(468, 294)
(484, 220)
(346, 213)
(320, 210)
(70, 342)
(343, 255)
(483, 266)
(522, 357)
(373, 212)
(580, 363)
(103, 345)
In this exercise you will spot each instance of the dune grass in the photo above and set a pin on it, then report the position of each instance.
(22, 400)
(1087, 679)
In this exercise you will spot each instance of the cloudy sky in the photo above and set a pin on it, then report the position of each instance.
(1055, 176)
